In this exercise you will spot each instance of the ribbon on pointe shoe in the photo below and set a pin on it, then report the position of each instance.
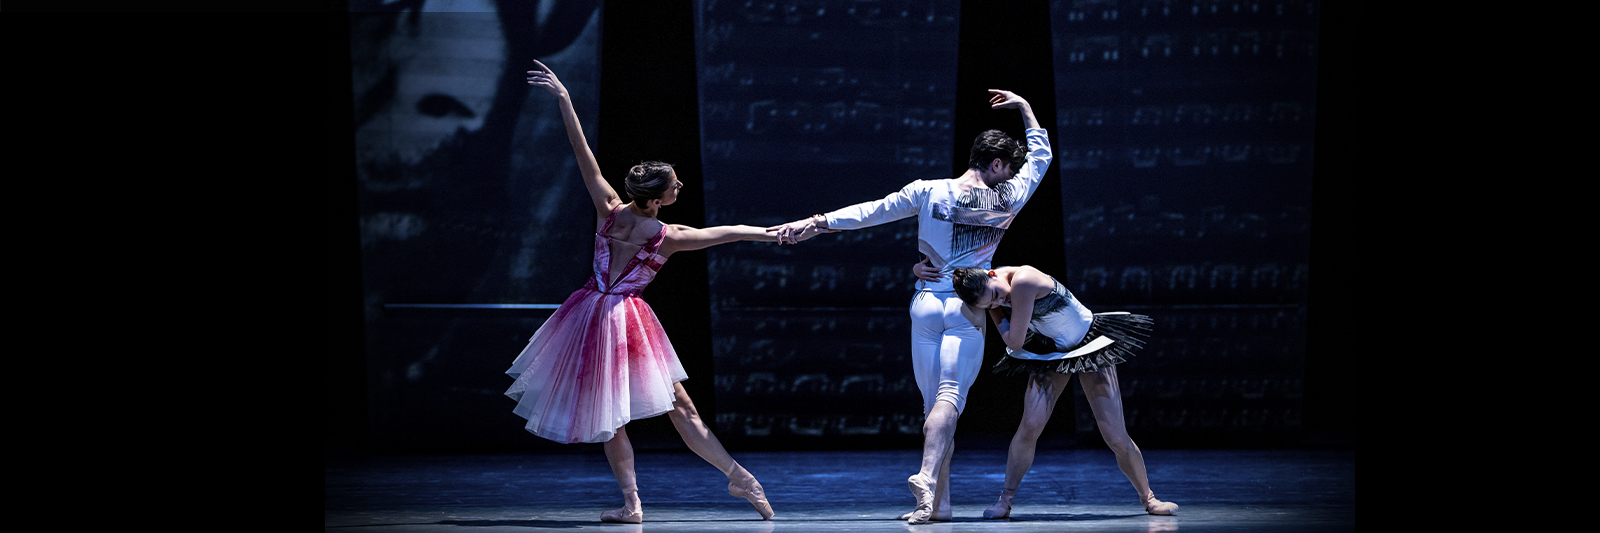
(1002, 508)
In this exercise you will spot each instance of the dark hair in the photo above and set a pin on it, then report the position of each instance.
(995, 144)
(648, 180)
(969, 283)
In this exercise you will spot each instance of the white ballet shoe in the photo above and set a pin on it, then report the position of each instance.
(937, 516)
(921, 489)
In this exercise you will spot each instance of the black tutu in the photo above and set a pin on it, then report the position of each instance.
(1130, 332)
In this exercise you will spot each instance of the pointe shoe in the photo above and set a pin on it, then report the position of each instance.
(622, 516)
(922, 490)
(1002, 508)
(752, 493)
(1158, 507)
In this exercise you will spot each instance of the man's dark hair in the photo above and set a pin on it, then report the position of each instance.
(995, 144)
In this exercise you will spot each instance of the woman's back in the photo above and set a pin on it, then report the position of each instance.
(626, 255)
(625, 234)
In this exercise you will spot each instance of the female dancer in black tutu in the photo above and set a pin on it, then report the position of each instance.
(1051, 336)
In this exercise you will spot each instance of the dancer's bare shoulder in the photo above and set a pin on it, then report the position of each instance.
(632, 229)
(1032, 278)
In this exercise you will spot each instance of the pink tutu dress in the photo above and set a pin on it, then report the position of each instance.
(601, 360)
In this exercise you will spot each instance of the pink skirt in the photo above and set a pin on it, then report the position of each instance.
(600, 361)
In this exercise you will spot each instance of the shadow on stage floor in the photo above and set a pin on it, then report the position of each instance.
(1077, 490)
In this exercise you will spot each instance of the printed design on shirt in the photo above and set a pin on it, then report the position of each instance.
(965, 237)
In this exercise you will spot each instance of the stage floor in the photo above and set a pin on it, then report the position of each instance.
(1067, 490)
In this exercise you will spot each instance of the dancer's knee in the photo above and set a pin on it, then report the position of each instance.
(1119, 442)
(682, 408)
(618, 446)
(1037, 408)
(683, 414)
(1032, 426)
(941, 418)
(950, 394)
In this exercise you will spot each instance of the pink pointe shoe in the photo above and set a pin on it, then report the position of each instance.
(622, 516)
(1002, 508)
(1158, 507)
(752, 492)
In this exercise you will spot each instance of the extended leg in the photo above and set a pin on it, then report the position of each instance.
(698, 436)
(619, 452)
(1105, 399)
(1038, 403)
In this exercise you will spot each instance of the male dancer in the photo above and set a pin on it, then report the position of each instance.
(959, 224)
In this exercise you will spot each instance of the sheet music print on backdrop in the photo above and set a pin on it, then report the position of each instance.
(1185, 152)
(808, 106)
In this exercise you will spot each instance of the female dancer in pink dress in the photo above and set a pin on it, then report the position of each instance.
(601, 360)
(1051, 336)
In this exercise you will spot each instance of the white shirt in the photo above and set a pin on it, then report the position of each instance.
(954, 231)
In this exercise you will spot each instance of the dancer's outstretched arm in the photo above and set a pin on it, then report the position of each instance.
(784, 233)
(605, 198)
(903, 203)
(683, 238)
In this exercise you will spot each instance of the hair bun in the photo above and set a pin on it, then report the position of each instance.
(648, 180)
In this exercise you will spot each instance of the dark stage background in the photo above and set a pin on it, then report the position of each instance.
(1186, 137)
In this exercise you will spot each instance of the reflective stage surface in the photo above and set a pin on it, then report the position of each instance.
(1067, 490)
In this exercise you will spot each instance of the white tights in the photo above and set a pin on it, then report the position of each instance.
(946, 356)
(946, 348)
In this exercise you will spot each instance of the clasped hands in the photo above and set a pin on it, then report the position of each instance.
(799, 230)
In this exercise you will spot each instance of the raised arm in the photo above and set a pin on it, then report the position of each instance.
(681, 238)
(605, 198)
(1010, 100)
(1028, 177)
